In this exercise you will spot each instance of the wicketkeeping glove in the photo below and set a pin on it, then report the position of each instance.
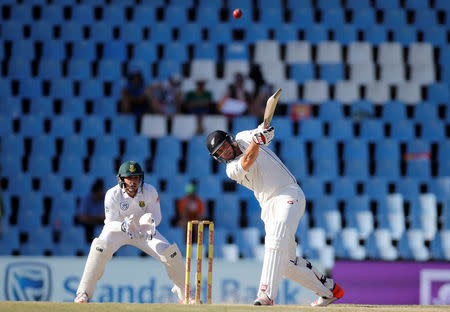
(264, 136)
(148, 226)
(130, 227)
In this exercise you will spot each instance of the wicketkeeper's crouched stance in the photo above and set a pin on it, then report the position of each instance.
(251, 163)
(132, 212)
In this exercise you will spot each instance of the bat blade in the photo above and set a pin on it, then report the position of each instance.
(270, 107)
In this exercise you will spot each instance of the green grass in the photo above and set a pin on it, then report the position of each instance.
(8, 306)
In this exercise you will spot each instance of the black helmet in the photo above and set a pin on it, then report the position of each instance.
(130, 168)
(215, 140)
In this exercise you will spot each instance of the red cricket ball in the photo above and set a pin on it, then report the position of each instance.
(237, 13)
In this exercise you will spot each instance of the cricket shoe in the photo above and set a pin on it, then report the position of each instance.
(263, 301)
(338, 293)
(81, 298)
(191, 301)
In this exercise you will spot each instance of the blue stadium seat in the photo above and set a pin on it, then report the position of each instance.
(343, 188)
(138, 144)
(387, 168)
(292, 148)
(341, 129)
(124, 126)
(236, 51)
(376, 188)
(207, 15)
(205, 50)
(424, 18)
(92, 126)
(411, 246)
(387, 149)
(394, 111)
(362, 109)
(255, 32)
(12, 143)
(209, 187)
(91, 89)
(40, 241)
(144, 15)
(197, 168)
(176, 51)
(101, 32)
(283, 126)
(405, 35)
(324, 148)
(302, 17)
(408, 187)
(168, 143)
(23, 49)
(219, 34)
(175, 185)
(161, 33)
(61, 88)
(302, 72)
(316, 33)
(12, 30)
(70, 165)
(285, 33)
(84, 50)
(74, 237)
(418, 169)
(312, 187)
(425, 112)
(357, 169)
(43, 145)
(166, 68)
(271, 16)
(31, 125)
(296, 166)
(52, 13)
(226, 211)
(9, 241)
(375, 34)
(394, 18)
(50, 69)
(436, 35)
(311, 129)
(417, 146)
(190, 33)
(131, 33)
(42, 30)
(109, 70)
(364, 18)
(71, 32)
(19, 68)
(346, 34)
(165, 167)
(106, 145)
(102, 165)
(436, 247)
(402, 130)
(333, 17)
(113, 15)
(51, 184)
(371, 129)
(79, 69)
(145, 51)
(247, 240)
(433, 131)
(356, 150)
(82, 14)
(416, 4)
(128, 251)
(241, 123)
(32, 88)
(440, 187)
(332, 73)
(326, 168)
(358, 4)
(442, 4)
(175, 16)
(115, 50)
(11, 166)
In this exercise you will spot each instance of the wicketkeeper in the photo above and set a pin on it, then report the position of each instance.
(132, 213)
(251, 163)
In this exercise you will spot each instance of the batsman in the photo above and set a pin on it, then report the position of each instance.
(132, 213)
(252, 164)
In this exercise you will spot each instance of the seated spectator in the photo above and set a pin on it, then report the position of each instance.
(167, 95)
(236, 99)
(198, 102)
(261, 92)
(135, 95)
(91, 212)
(190, 207)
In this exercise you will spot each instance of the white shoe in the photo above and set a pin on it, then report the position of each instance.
(81, 298)
(263, 301)
(338, 293)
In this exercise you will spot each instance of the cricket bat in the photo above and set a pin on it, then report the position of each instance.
(270, 107)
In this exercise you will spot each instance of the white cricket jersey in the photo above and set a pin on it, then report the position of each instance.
(118, 204)
(266, 177)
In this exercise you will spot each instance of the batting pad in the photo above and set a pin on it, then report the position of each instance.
(303, 272)
(175, 267)
(275, 259)
(99, 254)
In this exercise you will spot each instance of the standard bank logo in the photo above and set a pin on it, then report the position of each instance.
(27, 281)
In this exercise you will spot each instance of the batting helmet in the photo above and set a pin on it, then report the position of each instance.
(130, 168)
(215, 140)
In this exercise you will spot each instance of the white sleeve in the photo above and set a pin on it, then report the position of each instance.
(111, 208)
(235, 170)
(155, 206)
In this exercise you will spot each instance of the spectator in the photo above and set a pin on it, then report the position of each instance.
(168, 96)
(190, 207)
(91, 212)
(261, 92)
(135, 95)
(198, 102)
(236, 99)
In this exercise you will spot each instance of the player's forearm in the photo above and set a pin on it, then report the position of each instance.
(249, 156)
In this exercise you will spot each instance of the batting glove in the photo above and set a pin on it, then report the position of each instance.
(148, 226)
(264, 137)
